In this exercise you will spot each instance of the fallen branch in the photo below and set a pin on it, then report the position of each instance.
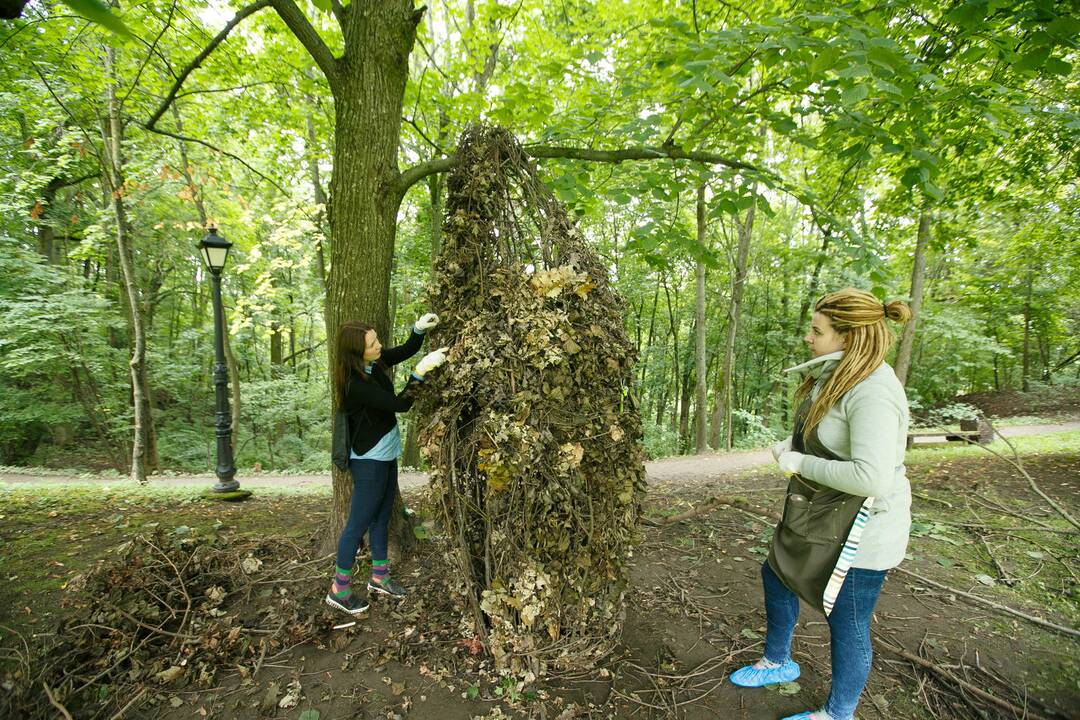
(1018, 464)
(708, 506)
(990, 603)
(966, 686)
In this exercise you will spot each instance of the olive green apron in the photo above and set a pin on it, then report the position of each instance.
(815, 542)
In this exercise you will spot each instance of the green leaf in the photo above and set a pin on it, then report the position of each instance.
(985, 579)
(968, 15)
(309, 715)
(324, 5)
(785, 126)
(789, 688)
(1065, 28)
(854, 94)
(97, 12)
(1033, 59)
(473, 692)
(420, 532)
(1057, 66)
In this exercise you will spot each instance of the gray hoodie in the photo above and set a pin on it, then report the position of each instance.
(868, 428)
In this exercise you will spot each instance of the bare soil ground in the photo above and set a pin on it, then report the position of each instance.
(695, 613)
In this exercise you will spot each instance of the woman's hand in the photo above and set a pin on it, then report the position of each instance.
(780, 448)
(426, 322)
(431, 361)
(790, 462)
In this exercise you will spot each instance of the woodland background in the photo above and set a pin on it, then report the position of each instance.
(730, 163)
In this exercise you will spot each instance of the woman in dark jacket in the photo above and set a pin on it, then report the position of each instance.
(366, 394)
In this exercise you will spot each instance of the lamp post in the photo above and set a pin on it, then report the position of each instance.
(215, 251)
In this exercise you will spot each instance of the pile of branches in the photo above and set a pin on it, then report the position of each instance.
(167, 611)
(531, 431)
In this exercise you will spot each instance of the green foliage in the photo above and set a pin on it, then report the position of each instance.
(846, 121)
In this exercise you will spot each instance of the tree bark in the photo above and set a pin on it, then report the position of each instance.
(112, 130)
(811, 291)
(320, 200)
(918, 280)
(722, 408)
(1026, 373)
(700, 444)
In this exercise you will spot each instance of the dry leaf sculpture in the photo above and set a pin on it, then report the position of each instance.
(531, 430)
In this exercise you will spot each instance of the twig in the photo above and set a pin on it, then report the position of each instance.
(946, 503)
(120, 713)
(706, 507)
(968, 687)
(1001, 570)
(140, 623)
(56, 703)
(990, 603)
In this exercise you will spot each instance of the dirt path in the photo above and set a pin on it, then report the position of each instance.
(689, 469)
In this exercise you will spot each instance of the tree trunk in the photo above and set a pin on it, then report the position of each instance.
(722, 408)
(811, 291)
(918, 279)
(275, 347)
(320, 199)
(368, 90)
(112, 130)
(1026, 376)
(700, 362)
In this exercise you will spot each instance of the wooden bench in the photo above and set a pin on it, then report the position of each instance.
(977, 431)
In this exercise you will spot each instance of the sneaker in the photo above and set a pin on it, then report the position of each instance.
(353, 604)
(753, 676)
(387, 587)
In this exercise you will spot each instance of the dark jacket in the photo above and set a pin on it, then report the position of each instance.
(371, 404)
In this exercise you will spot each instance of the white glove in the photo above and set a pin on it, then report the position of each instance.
(781, 447)
(426, 322)
(790, 462)
(431, 361)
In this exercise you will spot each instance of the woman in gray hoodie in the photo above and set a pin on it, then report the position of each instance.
(847, 512)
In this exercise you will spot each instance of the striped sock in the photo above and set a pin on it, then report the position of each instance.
(342, 582)
(379, 570)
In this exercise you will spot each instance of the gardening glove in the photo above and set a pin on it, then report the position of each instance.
(790, 462)
(426, 323)
(780, 448)
(430, 361)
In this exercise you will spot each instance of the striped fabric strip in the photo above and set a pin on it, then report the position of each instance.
(847, 556)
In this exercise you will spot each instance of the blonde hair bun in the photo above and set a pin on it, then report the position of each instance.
(897, 311)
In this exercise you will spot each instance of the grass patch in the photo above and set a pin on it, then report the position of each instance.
(1067, 441)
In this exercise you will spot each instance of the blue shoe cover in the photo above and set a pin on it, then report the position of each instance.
(752, 677)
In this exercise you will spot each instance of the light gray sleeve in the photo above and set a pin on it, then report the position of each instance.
(873, 421)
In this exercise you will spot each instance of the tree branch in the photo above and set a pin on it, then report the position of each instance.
(226, 153)
(671, 152)
(664, 152)
(308, 36)
(417, 173)
(194, 64)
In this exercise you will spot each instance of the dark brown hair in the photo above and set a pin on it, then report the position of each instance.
(351, 343)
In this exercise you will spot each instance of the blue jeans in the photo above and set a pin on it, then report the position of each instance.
(849, 626)
(375, 488)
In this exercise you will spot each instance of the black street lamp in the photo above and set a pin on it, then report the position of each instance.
(215, 251)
